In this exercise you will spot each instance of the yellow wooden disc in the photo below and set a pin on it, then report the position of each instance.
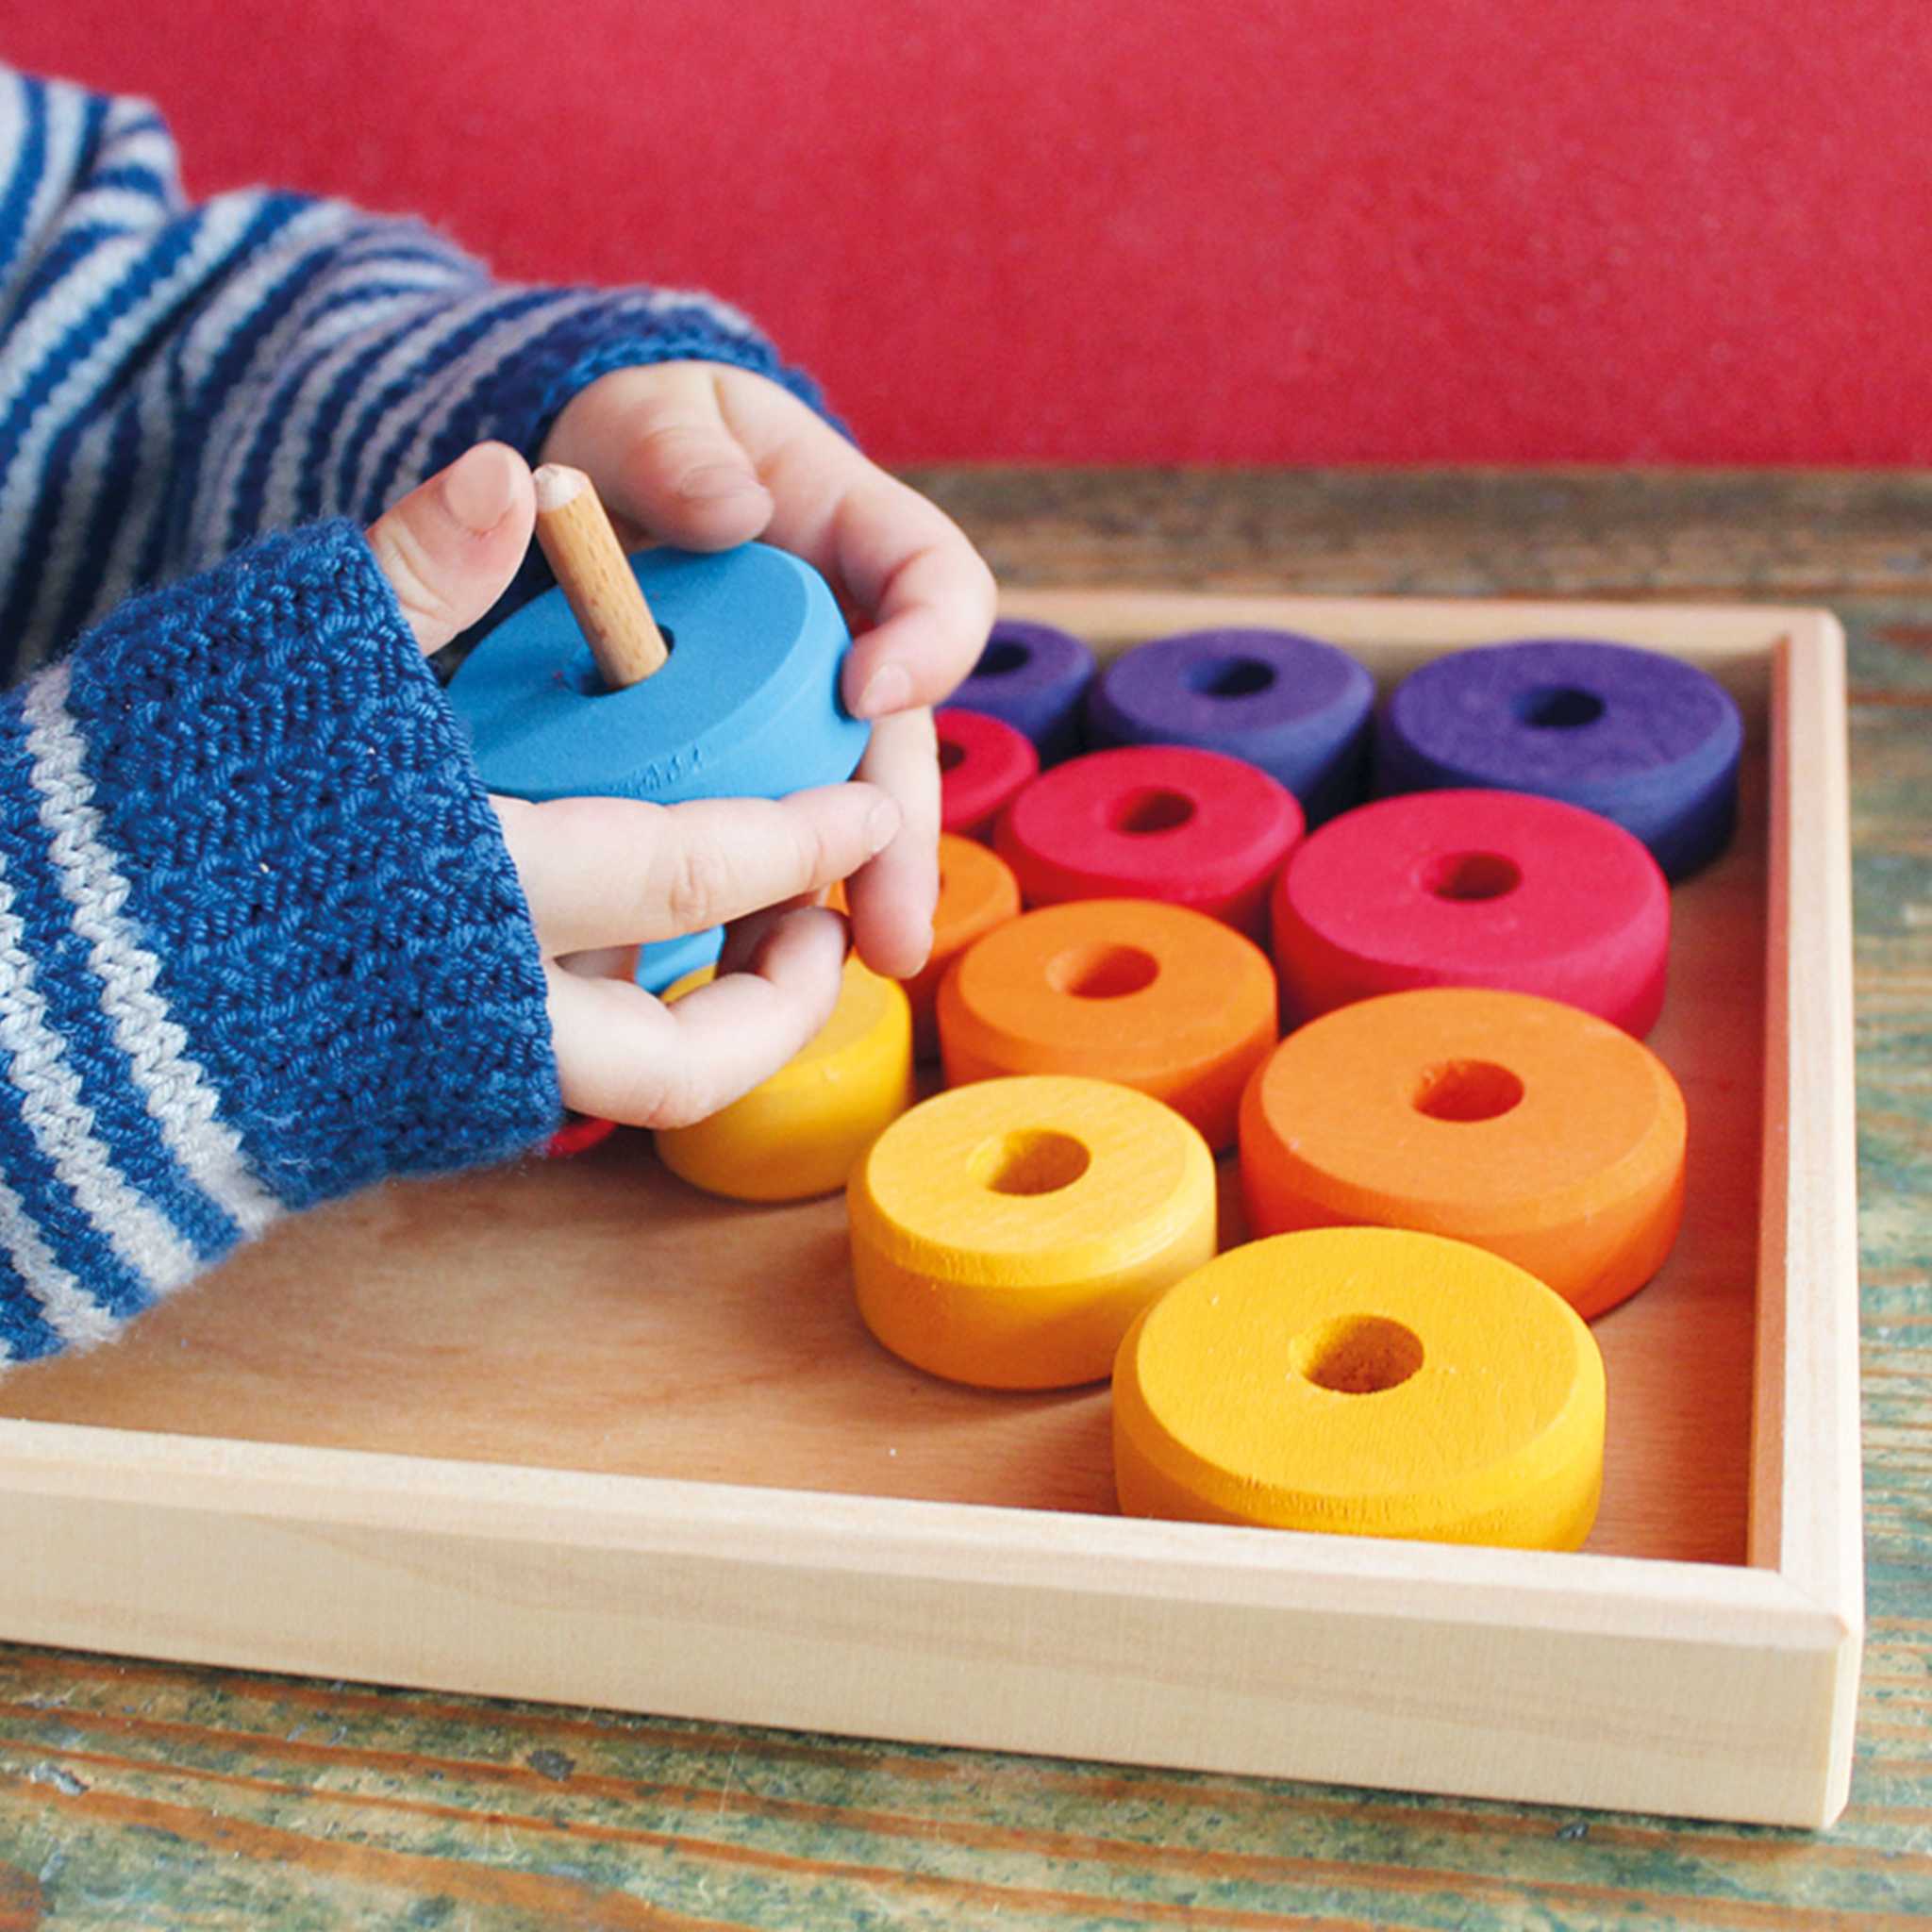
(798, 1133)
(1365, 1380)
(1007, 1233)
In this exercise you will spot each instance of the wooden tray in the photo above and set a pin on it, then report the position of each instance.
(574, 1433)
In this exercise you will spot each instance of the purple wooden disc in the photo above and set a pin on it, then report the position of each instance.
(1032, 677)
(1295, 706)
(1646, 740)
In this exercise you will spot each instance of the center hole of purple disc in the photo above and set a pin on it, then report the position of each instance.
(1230, 678)
(1471, 875)
(1001, 659)
(1559, 707)
(1152, 809)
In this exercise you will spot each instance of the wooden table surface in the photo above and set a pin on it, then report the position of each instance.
(135, 1794)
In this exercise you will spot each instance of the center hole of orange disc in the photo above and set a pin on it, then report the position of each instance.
(1357, 1354)
(1151, 809)
(1030, 1160)
(1559, 707)
(1471, 875)
(1467, 1091)
(1232, 677)
(1102, 972)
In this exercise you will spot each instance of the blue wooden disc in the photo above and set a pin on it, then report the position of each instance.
(1032, 677)
(1293, 705)
(1642, 738)
(747, 707)
(666, 961)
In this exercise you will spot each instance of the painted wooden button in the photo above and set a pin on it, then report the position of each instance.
(798, 1133)
(1532, 1128)
(983, 765)
(746, 707)
(977, 892)
(1296, 707)
(1473, 888)
(1157, 997)
(1006, 1234)
(1196, 828)
(1368, 1381)
(1035, 678)
(1644, 739)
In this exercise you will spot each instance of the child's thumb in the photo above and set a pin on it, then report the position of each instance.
(450, 548)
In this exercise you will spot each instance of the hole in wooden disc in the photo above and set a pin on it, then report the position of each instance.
(1152, 810)
(1471, 875)
(1102, 972)
(1559, 707)
(1232, 677)
(951, 755)
(1001, 659)
(1467, 1091)
(1357, 1354)
(1030, 1160)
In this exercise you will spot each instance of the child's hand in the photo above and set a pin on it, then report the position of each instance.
(605, 874)
(704, 456)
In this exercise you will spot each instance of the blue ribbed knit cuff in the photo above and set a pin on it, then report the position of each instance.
(263, 940)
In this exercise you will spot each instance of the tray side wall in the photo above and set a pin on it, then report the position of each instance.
(1709, 1698)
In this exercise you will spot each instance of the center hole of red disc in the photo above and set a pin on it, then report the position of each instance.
(1471, 875)
(1152, 809)
(1102, 972)
(1467, 1091)
(1559, 707)
(951, 755)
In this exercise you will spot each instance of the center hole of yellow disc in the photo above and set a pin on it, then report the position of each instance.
(1471, 875)
(1357, 1354)
(1467, 1091)
(1030, 1160)
(1152, 809)
(1102, 972)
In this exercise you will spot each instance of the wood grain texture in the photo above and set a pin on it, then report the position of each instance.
(135, 1794)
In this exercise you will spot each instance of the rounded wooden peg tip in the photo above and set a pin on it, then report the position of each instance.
(595, 576)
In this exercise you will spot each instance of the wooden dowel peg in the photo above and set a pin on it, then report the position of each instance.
(595, 578)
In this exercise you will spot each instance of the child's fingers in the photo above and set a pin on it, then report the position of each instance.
(655, 443)
(626, 1057)
(897, 556)
(891, 899)
(609, 872)
(451, 546)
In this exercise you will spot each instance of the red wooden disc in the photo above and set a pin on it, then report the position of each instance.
(578, 1134)
(1493, 889)
(983, 763)
(1152, 822)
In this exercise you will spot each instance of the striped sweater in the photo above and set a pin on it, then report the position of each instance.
(260, 943)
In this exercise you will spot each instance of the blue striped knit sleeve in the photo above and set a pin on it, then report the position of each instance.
(176, 379)
(261, 940)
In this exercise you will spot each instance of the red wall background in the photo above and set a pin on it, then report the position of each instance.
(1326, 230)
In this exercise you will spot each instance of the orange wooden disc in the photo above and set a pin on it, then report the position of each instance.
(977, 892)
(1529, 1127)
(1154, 996)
